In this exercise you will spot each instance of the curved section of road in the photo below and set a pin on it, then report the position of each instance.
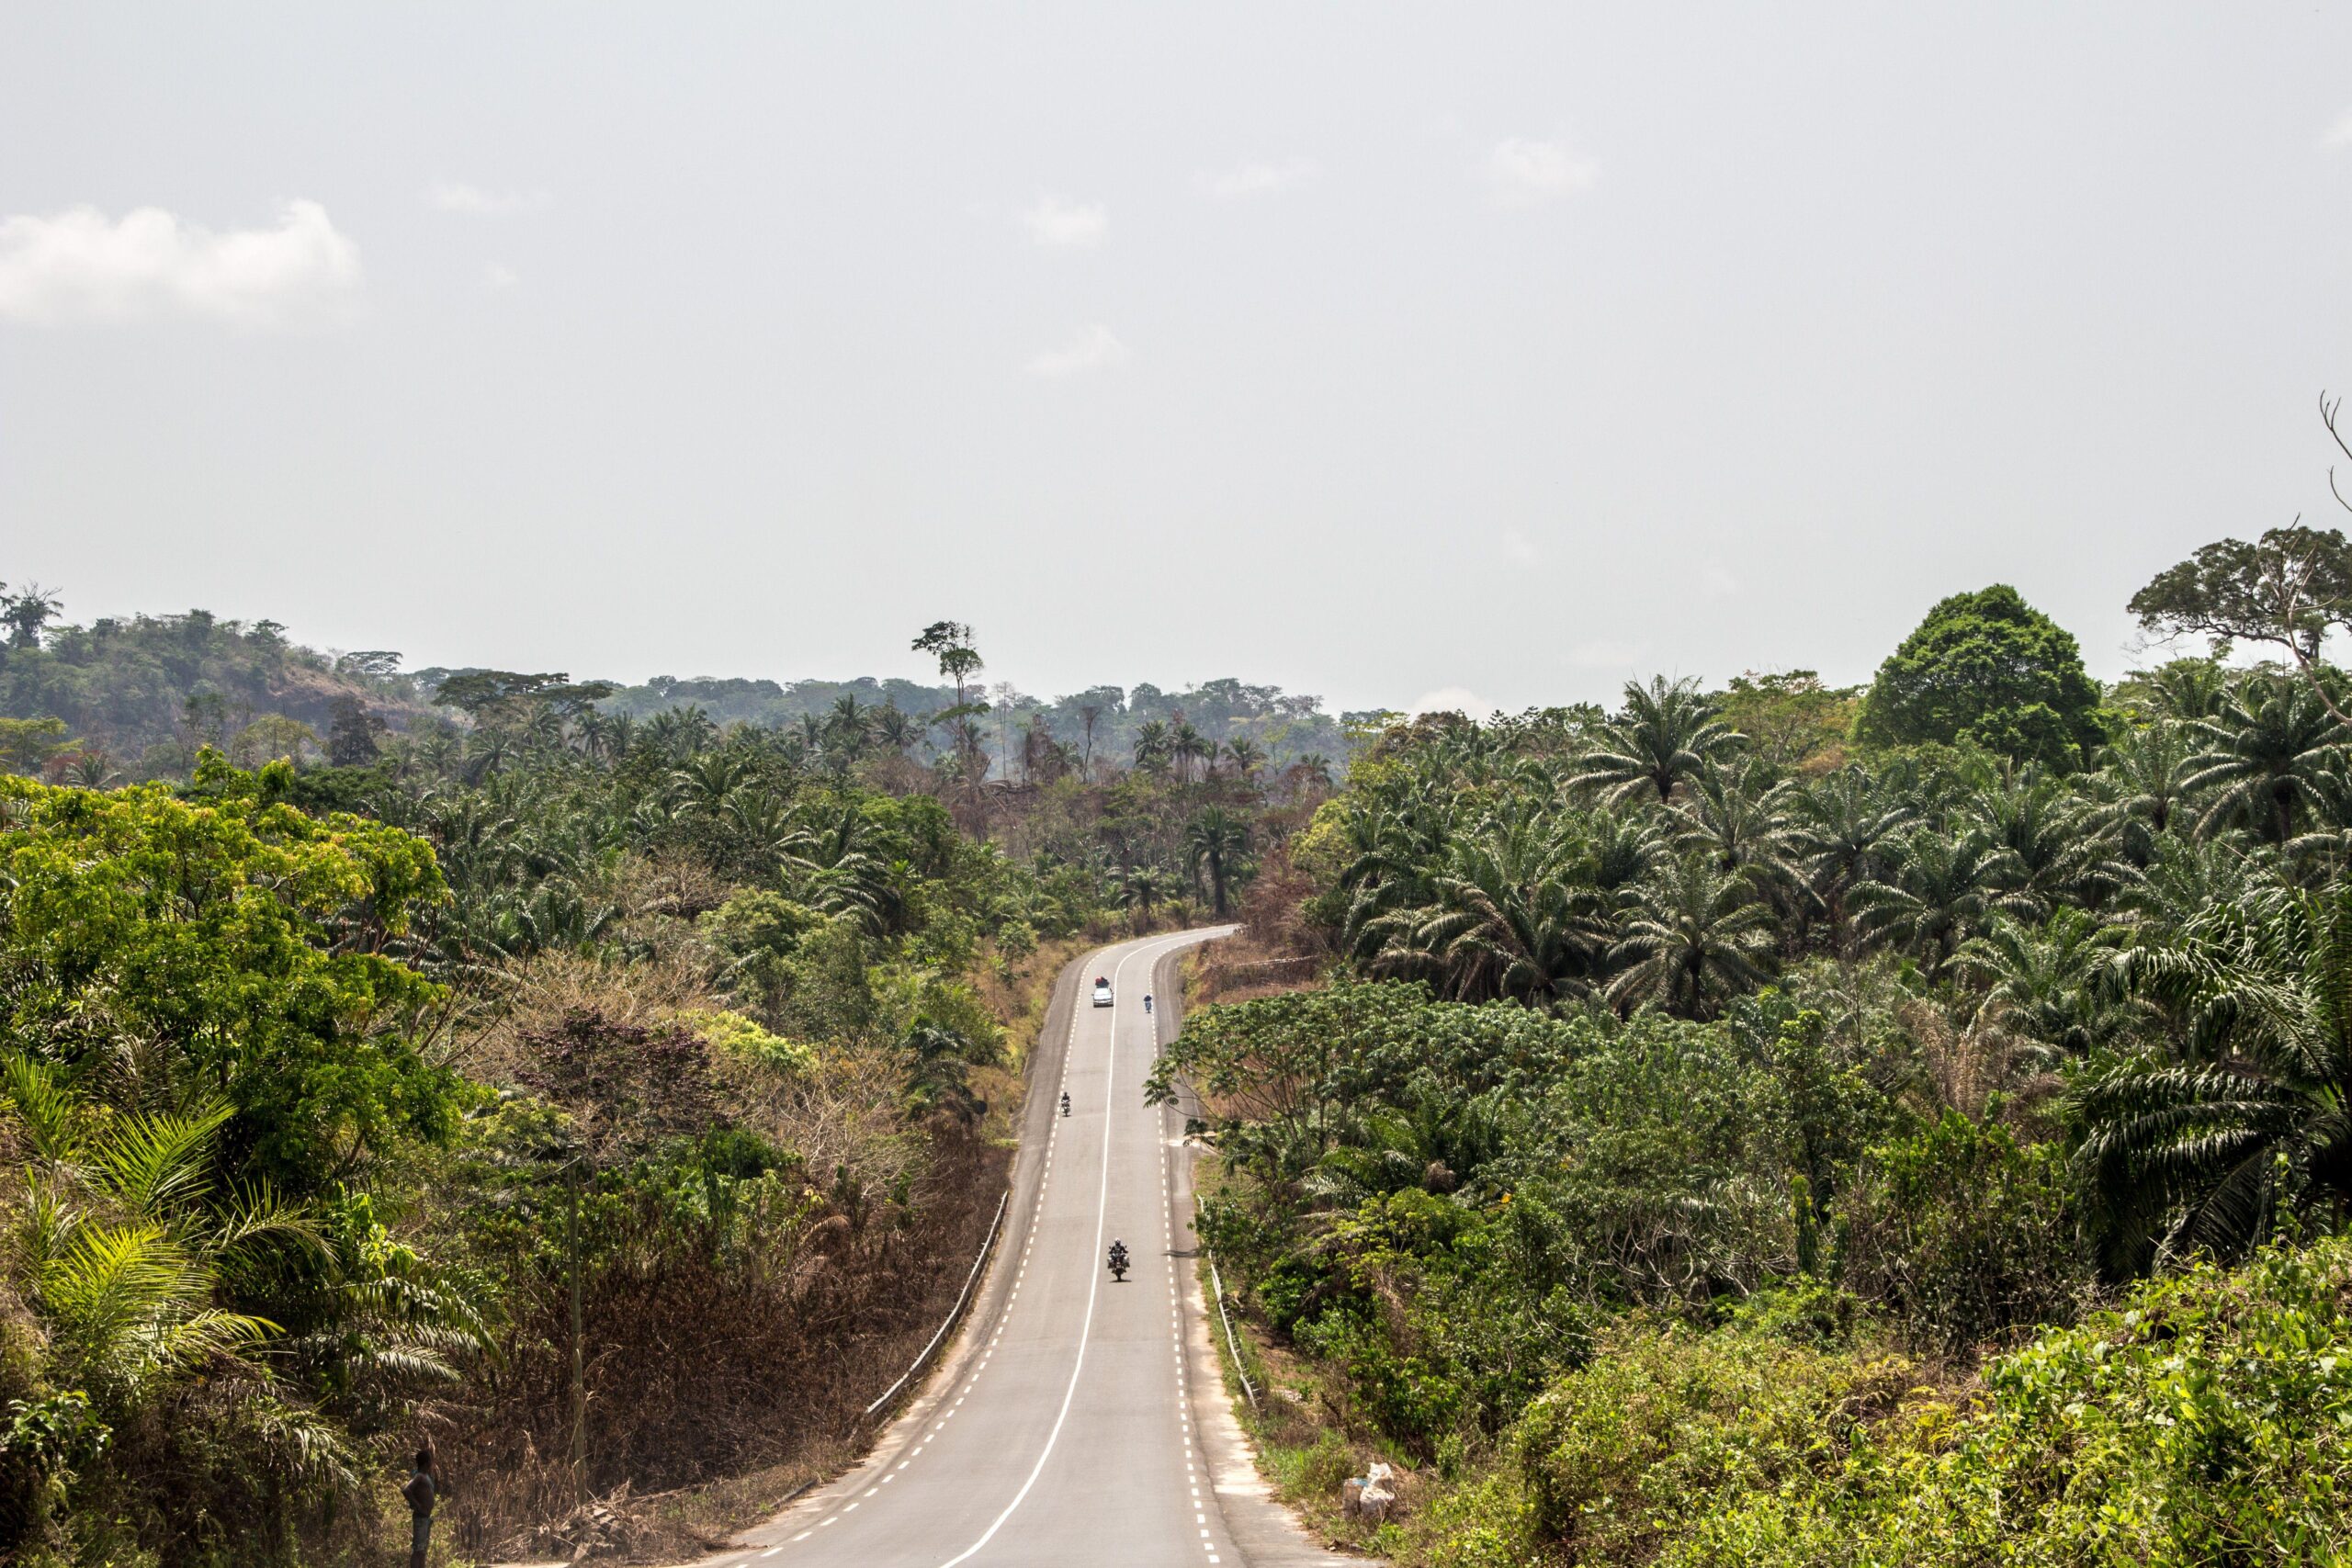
(1076, 1420)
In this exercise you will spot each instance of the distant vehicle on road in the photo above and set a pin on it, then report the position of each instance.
(1102, 993)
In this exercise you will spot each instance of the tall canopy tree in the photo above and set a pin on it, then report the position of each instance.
(247, 939)
(1987, 668)
(2289, 588)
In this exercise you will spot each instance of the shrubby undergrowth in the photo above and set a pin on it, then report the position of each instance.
(2205, 1418)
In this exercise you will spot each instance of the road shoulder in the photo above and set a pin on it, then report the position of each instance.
(1265, 1531)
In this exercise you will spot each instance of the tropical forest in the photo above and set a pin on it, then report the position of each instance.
(453, 1056)
(1763, 1122)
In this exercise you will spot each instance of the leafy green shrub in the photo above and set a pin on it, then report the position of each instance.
(1804, 1312)
(1323, 1467)
(732, 1035)
(1964, 1234)
(241, 939)
(2208, 1421)
(1615, 1457)
(1488, 1524)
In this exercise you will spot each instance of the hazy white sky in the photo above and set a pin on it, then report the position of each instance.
(1374, 351)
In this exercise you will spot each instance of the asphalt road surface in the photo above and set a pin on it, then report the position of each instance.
(1075, 1420)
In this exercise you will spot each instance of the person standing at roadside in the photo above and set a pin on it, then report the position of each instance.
(421, 1491)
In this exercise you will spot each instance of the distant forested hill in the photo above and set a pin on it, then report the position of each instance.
(138, 696)
(135, 698)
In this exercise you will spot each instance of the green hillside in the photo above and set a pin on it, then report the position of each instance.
(135, 698)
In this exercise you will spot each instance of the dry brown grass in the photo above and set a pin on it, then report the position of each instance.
(539, 992)
(707, 1371)
(1275, 950)
(718, 1387)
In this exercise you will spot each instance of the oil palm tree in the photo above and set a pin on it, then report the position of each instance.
(1507, 915)
(706, 780)
(1668, 735)
(1390, 872)
(1941, 891)
(2187, 690)
(1737, 814)
(1151, 744)
(1842, 833)
(763, 834)
(1215, 841)
(1693, 936)
(848, 726)
(1141, 889)
(93, 770)
(678, 733)
(2053, 983)
(1617, 848)
(2246, 1115)
(1186, 746)
(490, 752)
(2265, 757)
(938, 1078)
(2145, 773)
(1374, 1153)
(896, 728)
(2063, 849)
(124, 1242)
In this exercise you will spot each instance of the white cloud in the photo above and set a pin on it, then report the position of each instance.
(1519, 548)
(1255, 179)
(1063, 224)
(1520, 173)
(81, 265)
(1093, 349)
(1716, 582)
(1453, 699)
(2340, 133)
(457, 195)
(495, 276)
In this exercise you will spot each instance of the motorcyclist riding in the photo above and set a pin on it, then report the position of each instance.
(1118, 1260)
(1147, 1001)
(1065, 1102)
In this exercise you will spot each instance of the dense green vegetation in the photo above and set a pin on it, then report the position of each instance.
(1827, 1143)
(449, 1080)
(1778, 1122)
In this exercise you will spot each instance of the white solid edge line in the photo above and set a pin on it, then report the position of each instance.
(1093, 1281)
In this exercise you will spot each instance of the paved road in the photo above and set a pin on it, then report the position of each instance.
(1077, 1420)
